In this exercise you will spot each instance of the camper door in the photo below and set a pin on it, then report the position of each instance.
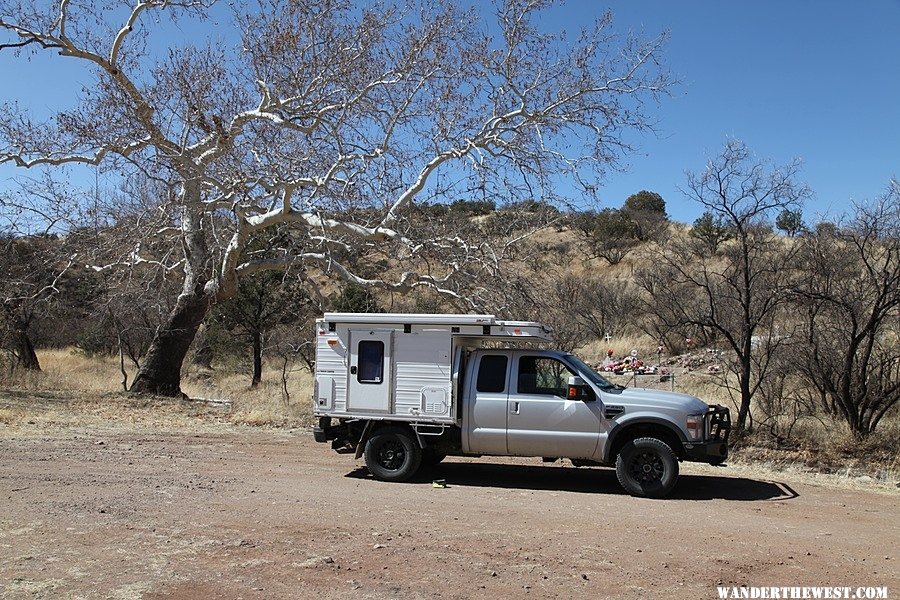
(369, 380)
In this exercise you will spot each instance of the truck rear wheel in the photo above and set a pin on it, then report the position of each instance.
(393, 454)
(647, 467)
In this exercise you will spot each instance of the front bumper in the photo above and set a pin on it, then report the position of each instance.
(708, 452)
(714, 448)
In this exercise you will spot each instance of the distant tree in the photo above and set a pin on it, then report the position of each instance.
(644, 201)
(790, 221)
(610, 234)
(647, 210)
(353, 298)
(826, 228)
(26, 283)
(473, 207)
(711, 231)
(848, 293)
(735, 295)
(603, 305)
(40, 290)
(262, 302)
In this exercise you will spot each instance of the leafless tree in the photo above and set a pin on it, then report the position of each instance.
(595, 305)
(34, 268)
(330, 117)
(735, 294)
(849, 295)
(27, 282)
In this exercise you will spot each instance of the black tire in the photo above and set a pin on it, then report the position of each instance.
(432, 457)
(393, 454)
(647, 467)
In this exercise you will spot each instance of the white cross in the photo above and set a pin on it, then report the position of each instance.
(608, 337)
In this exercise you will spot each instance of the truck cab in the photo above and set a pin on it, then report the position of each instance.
(506, 401)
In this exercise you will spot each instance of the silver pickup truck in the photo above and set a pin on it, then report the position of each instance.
(513, 401)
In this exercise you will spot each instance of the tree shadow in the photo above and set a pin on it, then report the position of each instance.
(591, 481)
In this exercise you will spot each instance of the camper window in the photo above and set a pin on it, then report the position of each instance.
(371, 362)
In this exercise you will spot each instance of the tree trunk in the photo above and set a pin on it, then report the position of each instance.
(203, 352)
(744, 410)
(27, 358)
(161, 372)
(257, 358)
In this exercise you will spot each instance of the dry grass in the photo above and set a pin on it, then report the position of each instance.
(69, 370)
(622, 346)
(75, 384)
(11, 415)
(267, 404)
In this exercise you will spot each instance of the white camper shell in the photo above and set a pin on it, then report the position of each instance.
(402, 367)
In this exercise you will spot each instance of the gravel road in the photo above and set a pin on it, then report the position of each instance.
(118, 513)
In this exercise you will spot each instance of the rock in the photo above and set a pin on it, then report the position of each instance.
(316, 561)
(377, 546)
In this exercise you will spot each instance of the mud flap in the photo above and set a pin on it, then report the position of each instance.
(363, 438)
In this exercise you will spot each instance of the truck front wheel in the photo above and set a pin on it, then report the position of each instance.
(647, 467)
(392, 454)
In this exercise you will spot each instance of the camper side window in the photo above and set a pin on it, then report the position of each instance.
(491, 374)
(371, 362)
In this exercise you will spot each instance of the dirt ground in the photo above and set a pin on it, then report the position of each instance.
(118, 512)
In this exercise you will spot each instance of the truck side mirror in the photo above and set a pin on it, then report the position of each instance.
(579, 390)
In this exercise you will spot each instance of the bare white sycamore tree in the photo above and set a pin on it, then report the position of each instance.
(327, 118)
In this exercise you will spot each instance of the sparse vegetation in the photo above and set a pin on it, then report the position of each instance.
(187, 242)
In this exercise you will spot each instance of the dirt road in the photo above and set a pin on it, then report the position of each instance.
(113, 513)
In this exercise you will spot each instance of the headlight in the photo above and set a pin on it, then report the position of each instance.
(695, 427)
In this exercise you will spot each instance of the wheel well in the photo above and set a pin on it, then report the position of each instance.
(378, 425)
(653, 430)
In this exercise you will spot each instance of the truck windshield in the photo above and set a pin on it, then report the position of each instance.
(591, 374)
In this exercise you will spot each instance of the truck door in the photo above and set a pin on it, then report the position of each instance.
(487, 404)
(542, 421)
(369, 380)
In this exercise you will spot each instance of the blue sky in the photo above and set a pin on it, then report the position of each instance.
(816, 80)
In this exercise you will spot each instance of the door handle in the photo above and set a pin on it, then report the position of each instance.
(353, 370)
(514, 407)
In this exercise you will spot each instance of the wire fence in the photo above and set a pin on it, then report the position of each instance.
(654, 381)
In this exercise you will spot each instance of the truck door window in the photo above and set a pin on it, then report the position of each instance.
(371, 362)
(492, 373)
(542, 375)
